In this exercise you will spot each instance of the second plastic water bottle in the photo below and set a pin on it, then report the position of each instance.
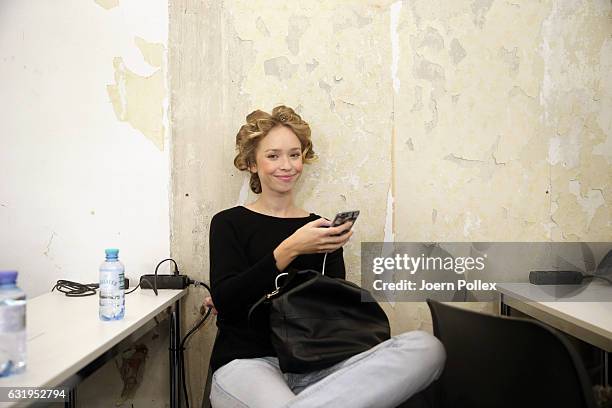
(12, 325)
(112, 284)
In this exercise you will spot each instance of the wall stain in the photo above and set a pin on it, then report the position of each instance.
(107, 4)
(153, 53)
(297, 27)
(280, 67)
(138, 100)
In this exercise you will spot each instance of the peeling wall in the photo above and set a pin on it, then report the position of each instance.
(83, 170)
(472, 120)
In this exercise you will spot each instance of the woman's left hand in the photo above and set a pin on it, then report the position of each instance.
(208, 304)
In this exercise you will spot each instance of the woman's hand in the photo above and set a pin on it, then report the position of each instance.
(318, 237)
(312, 238)
(208, 304)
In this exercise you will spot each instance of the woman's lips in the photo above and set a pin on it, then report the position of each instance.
(285, 178)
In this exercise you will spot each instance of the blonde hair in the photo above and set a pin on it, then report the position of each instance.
(258, 124)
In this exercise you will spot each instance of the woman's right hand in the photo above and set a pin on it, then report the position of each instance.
(314, 237)
(318, 237)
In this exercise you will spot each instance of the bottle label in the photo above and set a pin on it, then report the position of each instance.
(12, 316)
(111, 292)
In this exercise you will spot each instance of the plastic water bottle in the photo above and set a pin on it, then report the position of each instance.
(12, 325)
(112, 287)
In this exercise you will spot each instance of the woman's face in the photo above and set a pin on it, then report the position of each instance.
(278, 160)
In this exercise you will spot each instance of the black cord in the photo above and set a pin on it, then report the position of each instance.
(176, 272)
(137, 286)
(599, 277)
(195, 328)
(75, 289)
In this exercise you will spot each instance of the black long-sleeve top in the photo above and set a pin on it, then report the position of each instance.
(243, 269)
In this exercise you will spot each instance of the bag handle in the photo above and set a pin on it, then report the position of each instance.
(290, 276)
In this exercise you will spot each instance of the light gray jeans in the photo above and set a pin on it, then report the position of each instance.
(382, 377)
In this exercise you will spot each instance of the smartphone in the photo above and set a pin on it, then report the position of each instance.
(343, 217)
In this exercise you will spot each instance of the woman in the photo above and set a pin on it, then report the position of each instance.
(250, 245)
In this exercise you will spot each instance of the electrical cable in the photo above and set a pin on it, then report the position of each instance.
(75, 289)
(176, 272)
(195, 328)
(132, 290)
(598, 277)
(323, 268)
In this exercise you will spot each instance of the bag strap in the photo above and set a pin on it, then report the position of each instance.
(265, 298)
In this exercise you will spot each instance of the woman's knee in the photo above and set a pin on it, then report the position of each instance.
(430, 348)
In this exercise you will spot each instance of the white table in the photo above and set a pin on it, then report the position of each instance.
(574, 312)
(65, 335)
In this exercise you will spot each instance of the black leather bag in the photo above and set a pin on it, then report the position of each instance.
(317, 321)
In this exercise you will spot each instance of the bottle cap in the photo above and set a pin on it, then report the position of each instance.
(8, 277)
(112, 252)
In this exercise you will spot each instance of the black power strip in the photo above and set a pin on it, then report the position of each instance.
(164, 281)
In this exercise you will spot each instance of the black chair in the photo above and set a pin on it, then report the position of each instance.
(505, 362)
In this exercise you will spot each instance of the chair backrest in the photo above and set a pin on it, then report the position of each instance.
(501, 362)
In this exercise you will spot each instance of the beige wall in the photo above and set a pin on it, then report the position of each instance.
(484, 120)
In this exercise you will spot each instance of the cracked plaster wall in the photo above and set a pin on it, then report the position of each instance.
(469, 120)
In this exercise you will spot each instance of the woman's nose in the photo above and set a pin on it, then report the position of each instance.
(285, 163)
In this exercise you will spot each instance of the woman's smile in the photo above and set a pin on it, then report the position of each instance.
(285, 178)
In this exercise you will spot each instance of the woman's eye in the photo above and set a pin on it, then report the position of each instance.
(272, 156)
(296, 155)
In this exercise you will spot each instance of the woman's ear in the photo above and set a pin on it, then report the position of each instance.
(253, 168)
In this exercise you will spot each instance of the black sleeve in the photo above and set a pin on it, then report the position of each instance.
(234, 284)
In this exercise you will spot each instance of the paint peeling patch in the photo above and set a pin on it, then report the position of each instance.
(480, 8)
(410, 144)
(456, 52)
(361, 20)
(297, 27)
(430, 71)
(261, 26)
(152, 53)
(354, 20)
(280, 67)
(432, 39)
(604, 149)
(139, 100)
(327, 88)
(433, 107)
(471, 223)
(565, 151)
(395, 44)
(589, 203)
(311, 67)
(511, 59)
(418, 99)
(107, 4)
